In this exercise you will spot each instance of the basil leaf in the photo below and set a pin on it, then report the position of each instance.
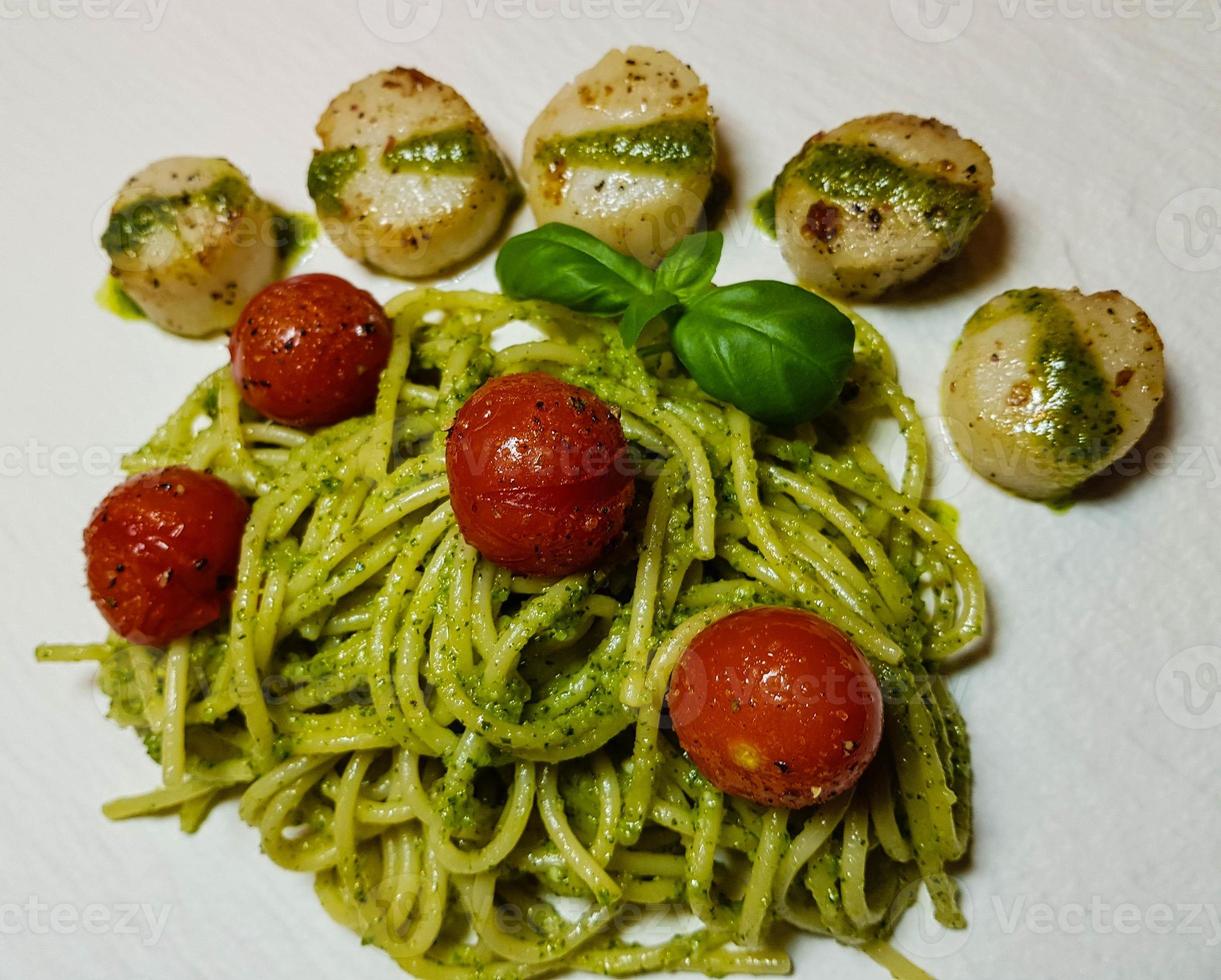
(568, 266)
(775, 351)
(689, 267)
(640, 311)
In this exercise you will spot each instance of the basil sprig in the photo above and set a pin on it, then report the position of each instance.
(765, 347)
(567, 266)
(688, 267)
(776, 351)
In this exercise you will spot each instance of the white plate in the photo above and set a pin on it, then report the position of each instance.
(1096, 851)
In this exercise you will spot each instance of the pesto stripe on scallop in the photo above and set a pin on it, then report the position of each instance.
(190, 242)
(625, 152)
(669, 146)
(408, 178)
(1048, 386)
(1077, 414)
(863, 175)
(459, 150)
(879, 202)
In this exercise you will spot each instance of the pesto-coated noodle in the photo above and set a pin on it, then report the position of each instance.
(477, 765)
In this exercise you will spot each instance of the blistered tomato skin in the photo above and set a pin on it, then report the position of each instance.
(161, 553)
(539, 474)
(308, 351)
(777, 706)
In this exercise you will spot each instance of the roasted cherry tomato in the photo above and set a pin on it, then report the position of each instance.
(308, 351)
(161, 553)
(539, 474)
(776, 705)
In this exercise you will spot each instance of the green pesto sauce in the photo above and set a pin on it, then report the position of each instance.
(1079, 417)
(329, 171)
(864, 175)
(764, 210)
(675, 146)
(152, 744)
(130, 226)
(944, 514)
(458, 151)
(227, 194)
(113, 298)
(295, 233)
(581, 803)
(1057, 505)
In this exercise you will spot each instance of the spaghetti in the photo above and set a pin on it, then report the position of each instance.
(477, 766)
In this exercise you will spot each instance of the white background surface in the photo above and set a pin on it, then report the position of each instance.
(1097, 847)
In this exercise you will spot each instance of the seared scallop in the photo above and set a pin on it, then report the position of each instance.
(408, 179)
(190, 242)
(879, 202)
(1048, 386)
(626, 152)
